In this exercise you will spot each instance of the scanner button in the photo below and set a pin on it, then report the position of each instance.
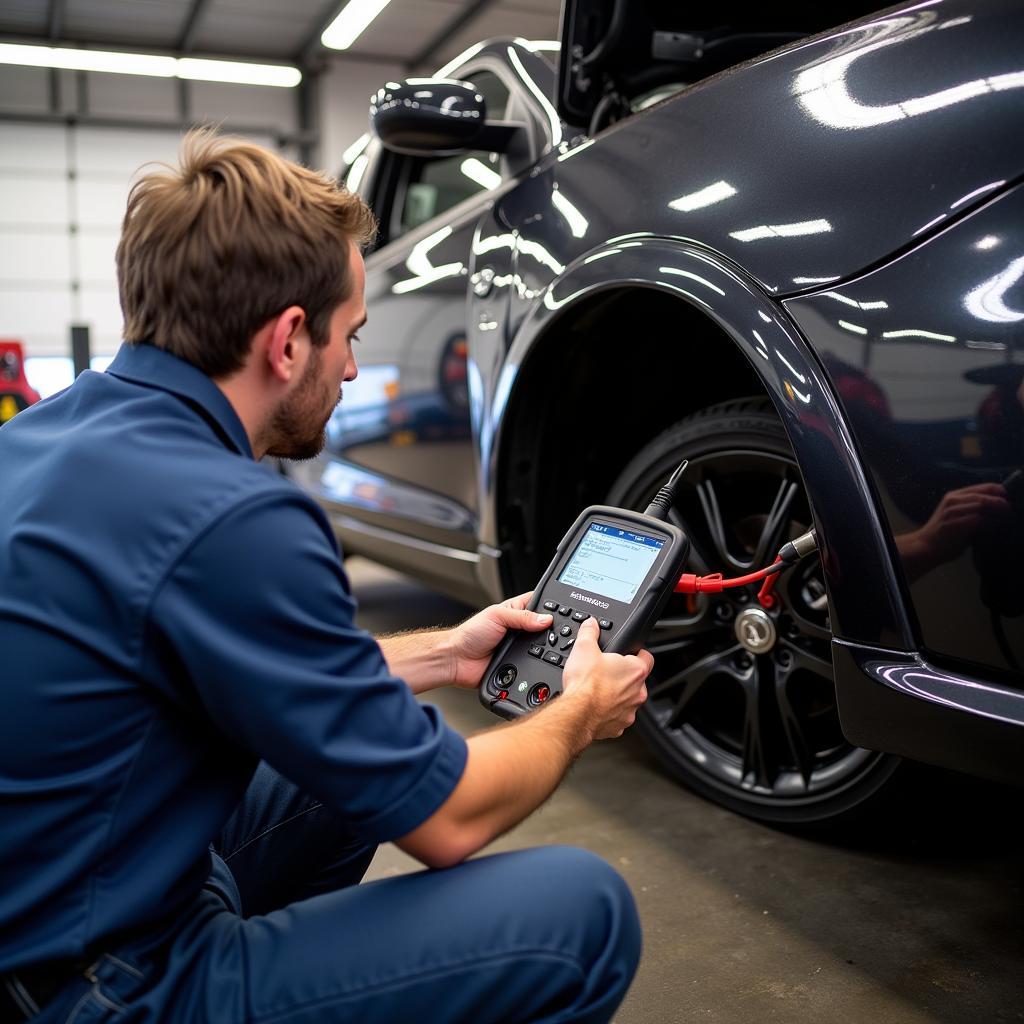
(551, 606)
(552, 638)
(580, 616)
(567, 644)
(564, 611)
(552, 658)
(535, 651)
(565, 631)
(605, 623)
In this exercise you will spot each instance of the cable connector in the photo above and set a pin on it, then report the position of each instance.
(792, 552)
(789, 554)
(714, 583)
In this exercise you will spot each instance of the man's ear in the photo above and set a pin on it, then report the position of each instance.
(287, 342)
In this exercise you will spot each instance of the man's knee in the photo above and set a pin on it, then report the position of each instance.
(591, 902)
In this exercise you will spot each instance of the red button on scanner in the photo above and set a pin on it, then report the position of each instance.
(542, 694)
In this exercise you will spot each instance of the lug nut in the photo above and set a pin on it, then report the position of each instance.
(723, 611)
(784, 658)
(744, 661)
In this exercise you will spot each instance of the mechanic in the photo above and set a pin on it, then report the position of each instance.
(199, 750)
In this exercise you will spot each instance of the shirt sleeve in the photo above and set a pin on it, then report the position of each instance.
(257, 620)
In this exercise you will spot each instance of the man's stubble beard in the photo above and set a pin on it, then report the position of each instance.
(298, 428)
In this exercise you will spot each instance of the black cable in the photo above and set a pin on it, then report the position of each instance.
(663, 500)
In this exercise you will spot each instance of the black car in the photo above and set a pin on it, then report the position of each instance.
(794, 259)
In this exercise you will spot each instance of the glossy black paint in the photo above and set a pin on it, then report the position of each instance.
(809, 166)
(421, 115)
(865, 595)
(842, 157)
(900, 703)
(927, 357)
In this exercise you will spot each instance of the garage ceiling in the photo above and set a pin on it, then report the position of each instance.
(421, 34)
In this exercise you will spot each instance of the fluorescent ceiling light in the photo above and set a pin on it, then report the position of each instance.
(150, 64)
(351, 22)
(88, 60)
(239, 72)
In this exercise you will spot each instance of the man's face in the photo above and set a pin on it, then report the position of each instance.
(299, 424)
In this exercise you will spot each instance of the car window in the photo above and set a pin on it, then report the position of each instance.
(434, 186)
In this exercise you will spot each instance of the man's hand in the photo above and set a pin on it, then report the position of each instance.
(612, 684)
(512, 769)
(473, 643)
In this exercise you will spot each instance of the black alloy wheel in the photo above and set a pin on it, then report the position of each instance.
(742, 703)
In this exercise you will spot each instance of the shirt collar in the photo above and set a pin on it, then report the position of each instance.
(146, 364)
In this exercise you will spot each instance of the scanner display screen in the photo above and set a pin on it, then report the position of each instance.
(611, 562)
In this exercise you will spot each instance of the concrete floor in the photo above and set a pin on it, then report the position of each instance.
(916, 917)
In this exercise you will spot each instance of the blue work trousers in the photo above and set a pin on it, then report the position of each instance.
(283, 933)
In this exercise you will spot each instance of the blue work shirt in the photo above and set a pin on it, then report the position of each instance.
(170, 613)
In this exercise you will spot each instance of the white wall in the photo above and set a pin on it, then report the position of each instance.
(63, 190)
(345, 91)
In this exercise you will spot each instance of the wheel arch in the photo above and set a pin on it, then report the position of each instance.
(580, 392)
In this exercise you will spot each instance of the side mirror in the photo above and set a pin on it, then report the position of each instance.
(437, 117)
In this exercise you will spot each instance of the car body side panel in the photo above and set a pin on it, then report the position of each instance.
(926, 355)
(864, 595)
(810, 165)
(902, 704)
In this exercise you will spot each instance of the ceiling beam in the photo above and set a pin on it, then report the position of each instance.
(311, 46)
(469, 13)
(187, 38)
(55, 19)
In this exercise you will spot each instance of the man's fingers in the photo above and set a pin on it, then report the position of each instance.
(531, 622)
(647, 659)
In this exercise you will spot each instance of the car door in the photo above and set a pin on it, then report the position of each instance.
(399, 451)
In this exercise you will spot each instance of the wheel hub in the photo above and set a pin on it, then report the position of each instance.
(755, 630)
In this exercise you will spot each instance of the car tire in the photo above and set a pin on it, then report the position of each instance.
(756, 732)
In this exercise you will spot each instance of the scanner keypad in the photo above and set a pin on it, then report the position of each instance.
(562, 638)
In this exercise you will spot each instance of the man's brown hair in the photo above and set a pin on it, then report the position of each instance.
(212, 250)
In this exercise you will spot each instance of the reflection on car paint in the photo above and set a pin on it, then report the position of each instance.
(945, 462)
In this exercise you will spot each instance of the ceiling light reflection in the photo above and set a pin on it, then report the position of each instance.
(578, 224)
(915, 333)
(476, 170)
(987, 301)
(977, 192)
(418, 263)
(693, 277)
(703, 197)
(805, 227)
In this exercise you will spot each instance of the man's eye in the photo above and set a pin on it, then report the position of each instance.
(354, 337)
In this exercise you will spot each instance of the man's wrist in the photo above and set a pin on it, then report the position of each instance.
(424, 659)
(572, 715)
